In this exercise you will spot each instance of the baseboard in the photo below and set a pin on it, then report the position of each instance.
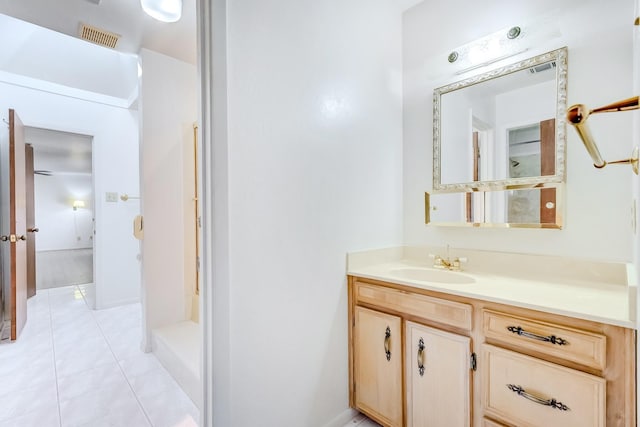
(342, 419)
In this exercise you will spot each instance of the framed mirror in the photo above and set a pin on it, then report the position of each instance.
(503, 129)
(514, 208)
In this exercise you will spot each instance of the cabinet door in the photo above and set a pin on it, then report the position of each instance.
(438, 378)
(378, 365)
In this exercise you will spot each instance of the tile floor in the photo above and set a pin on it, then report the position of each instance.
(74, 366)
(362, 421)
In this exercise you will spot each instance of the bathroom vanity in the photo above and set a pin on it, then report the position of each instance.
(514, 340)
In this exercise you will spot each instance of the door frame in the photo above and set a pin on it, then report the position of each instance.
(215, 285)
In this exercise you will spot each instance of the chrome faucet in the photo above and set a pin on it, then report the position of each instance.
(447, 263)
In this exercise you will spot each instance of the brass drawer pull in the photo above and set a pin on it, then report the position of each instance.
(421, 357)
(387, 343)
(545, 402)
(551, 338)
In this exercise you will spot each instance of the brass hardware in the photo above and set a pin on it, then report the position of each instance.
(4, 238)
(448, 263)
(124, 197)
(545, 402)
(23, 237)
(387, 343)
(473, 363)
(421, 357)
(12, 238)
(578, 115)
(33, 230)
(551, 338)
(427, 208)
(196, 207)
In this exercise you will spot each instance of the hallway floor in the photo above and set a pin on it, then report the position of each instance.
(63, 267)
(74, 366)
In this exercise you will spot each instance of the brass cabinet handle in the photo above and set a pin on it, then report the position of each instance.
(421, 357)
(33, 230)
(551, 338)
(387, 343)
(545, 402)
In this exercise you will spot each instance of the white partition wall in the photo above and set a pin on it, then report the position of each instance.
(168, 108)
(115, 169)
(310, 169)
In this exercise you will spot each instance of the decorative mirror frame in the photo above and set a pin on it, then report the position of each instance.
(560, 57)
(557, 224)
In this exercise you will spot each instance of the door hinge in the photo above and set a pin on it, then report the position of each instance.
(473, 363)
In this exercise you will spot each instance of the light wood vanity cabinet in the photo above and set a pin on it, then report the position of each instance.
(378, 365)
(534, 369)
(433, 358)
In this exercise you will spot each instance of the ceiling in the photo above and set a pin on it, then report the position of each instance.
(123, 17)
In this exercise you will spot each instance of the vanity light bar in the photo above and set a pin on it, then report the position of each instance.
(578, 115)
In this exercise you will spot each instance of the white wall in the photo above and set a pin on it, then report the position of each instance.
(314, 171)
(168, 110)
(597, 219)
(61, 227)
(115, 169)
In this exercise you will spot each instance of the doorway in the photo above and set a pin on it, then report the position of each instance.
(63, 206)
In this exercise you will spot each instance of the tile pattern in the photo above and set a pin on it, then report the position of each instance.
(76, 367)
(63, 268)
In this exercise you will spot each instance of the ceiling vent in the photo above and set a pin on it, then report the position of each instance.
(98, 36)
(542, 67)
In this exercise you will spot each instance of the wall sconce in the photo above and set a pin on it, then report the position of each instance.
(78, 204)
(163, 10)
(489, 49)
(578, 115)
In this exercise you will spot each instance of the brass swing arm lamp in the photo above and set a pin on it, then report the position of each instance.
(578, 115)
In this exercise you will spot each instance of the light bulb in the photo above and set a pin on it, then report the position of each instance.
(163, 10)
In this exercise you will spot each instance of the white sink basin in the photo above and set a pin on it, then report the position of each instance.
(432, 275)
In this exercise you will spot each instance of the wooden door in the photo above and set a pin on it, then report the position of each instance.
(548, 167)
(438, 377)
(18, 230)
(31, 219)
(476, 175)
(378, 365)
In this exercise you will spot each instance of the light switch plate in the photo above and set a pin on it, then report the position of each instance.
(111, 197)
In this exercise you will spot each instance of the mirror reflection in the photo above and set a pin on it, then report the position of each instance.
(526, 207)
(502, 128)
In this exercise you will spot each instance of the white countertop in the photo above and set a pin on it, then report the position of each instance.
(599, 291)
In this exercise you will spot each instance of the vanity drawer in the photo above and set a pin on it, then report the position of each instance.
(513, 383)
(585, 348)
(490, 423)
(451, 313)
